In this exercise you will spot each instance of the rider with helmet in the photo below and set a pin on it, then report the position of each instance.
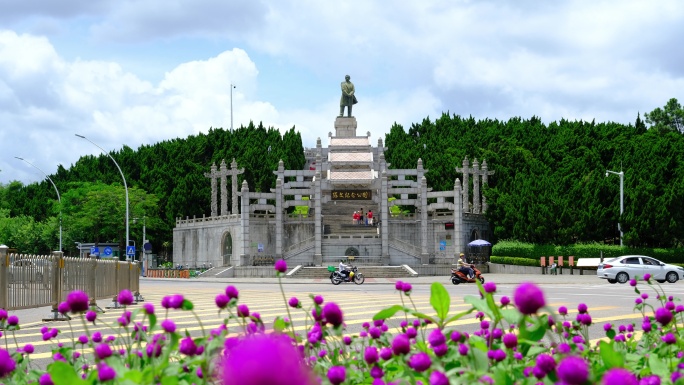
(464, 267)
(344, 269)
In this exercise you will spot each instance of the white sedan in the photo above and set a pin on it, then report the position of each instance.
(622, 269)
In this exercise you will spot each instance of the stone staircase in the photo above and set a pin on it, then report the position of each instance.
(337, 217)
(367, 271)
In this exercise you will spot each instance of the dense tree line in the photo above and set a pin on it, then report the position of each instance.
(550, 184)
(165, 180)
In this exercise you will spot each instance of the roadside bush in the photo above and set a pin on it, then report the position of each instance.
(514, 261)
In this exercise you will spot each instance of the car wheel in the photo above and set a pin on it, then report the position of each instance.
(622, 277)
(671, 277)
(612, 281)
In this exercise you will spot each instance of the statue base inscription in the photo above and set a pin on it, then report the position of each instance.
(345, 127)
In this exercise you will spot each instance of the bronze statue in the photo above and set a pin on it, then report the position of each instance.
(348, 99)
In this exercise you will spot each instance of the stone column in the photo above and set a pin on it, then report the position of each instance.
(214, 193)
(424, 256)
(4, 277)
(458, 220)
(318, 218)
(233, 185)
(384, 210)
(224, 188)
(244, 222)
(476, 186)
(485, 174)
(466, 172)
(279, 218)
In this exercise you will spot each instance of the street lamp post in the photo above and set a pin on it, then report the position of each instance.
(59, 199)
(622, 208)
(231, 106)
(122, 177)
(142, 247)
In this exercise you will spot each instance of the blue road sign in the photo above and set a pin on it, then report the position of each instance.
(94, 250)
(130, 250)
(107, 251)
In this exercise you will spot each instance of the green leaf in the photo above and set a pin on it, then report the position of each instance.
(611, 358)
(169, 380)
(64, 374)
(440, 300)
(512, 316)
(187, 305)
(134, 376)
(153, 321)
(279, 324)
(479, 304)
(387, 312)
(480, 360)
(657, 364)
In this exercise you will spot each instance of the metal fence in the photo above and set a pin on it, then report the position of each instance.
(28, 281)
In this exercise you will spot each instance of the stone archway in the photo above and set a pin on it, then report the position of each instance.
(227, 250)
(475, 234)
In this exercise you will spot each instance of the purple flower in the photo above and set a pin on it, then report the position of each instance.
(176, 301)
(337, 374)
(168, 325)
(385, 353)
(669, 338)
(347, 340)
(489, 287)
(63, 308)
(374, 332)
(243, 310)
(441, 350)
(499, 355)
(264, 359)
(221, 300)
(420, 362)
(13, 320)
(436, 338)
(529, 298)
(411, 332)
(406, 287)
(650, 380)
(546, 363)
(105, 373)
(318, 300)
(91, 316)
(103, 351)
(632, 282)
(232, 292)
(455, 336)
(647, 277)
(670, 305)
(125, 297)
(563, 310)
(83, 339)
(618, 376)
(608, 326)
(582, 308)
(97, 337)
(7, 364)
(573, 370)
(332, 314)
(28, 349)
(398, 285)
(187, 346)
(484, 324)
(675, 376)
(149, 308)
(293, 302)
(663, 316)
(510, 340)
(370, 355)
(376, 372)
(505, 301)
(78, 301)
(45, 379)
(401, 345)
(438, 378)
(281, 266)
(463, 349)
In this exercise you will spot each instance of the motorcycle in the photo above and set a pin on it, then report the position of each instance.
(458, 276)
(336, 277)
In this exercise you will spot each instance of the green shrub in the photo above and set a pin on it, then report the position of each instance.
(514, 261)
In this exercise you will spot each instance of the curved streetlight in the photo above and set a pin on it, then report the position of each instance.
(122, 177)
(622, 176)
(59, 199)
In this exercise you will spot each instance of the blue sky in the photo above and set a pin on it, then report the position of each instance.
(131, 72)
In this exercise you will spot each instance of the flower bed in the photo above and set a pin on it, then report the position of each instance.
(145, 346)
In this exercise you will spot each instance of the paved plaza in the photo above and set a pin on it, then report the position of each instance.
(607, 303)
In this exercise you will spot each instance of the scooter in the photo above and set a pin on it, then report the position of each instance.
(354, 276)
(459, 277)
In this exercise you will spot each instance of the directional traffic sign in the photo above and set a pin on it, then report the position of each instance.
(94, 250)
(130, 250)
(107, 251)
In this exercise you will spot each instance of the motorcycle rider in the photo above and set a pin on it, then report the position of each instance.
(344, 270)
(464, 267)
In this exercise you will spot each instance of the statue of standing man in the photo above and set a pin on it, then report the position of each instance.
(348, 98)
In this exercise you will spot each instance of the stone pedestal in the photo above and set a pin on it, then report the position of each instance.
(345, 127)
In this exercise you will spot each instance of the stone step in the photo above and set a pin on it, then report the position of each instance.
(367, 271)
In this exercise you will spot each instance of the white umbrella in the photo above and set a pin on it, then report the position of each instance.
(479, 242)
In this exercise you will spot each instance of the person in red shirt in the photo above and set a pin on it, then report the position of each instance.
(370, 218)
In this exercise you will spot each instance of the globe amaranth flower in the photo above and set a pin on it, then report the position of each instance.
(337, 374)
(125, 297)
(401, 345)
(663, 316)
(45, 379)
(318, 299)
(438, 378)
(406, 287)
(510, 340)
(221, 300)
(563, 310)
(168, 325)
(455, 336)
(376, 372)
(463, 349)
(187, 346)
(441, 350)
(669, 338)
(632, 282)
(370, 355)
(374, 332)
(7, 364)
(63, 308)
(398, 285)
(385, 353)
(647, 277)
(347, 340)
(13, 320)
(83, 339)
(546, 363)
(28, 349)
(78, 301)
(263, 359)
(573, 370)
(529, 298)
(281, 266)
(176, 301)
(619, 376)
(332, 314)
(411, 332)
(436, 338)
(505, 301)
(650, 380)
(105, 372)
(232, 292)
(420, 362)
(91, 316)
(489, 287)
(103, 351)
(293, 302)
(582, 308)
(243, 310)
(148, 307)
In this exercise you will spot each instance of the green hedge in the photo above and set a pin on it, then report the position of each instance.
(514, 261)
(592, 250)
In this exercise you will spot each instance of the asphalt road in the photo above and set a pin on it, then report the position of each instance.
(606, 303)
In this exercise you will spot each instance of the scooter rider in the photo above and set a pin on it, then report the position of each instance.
(344, 270)
(464, 267)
